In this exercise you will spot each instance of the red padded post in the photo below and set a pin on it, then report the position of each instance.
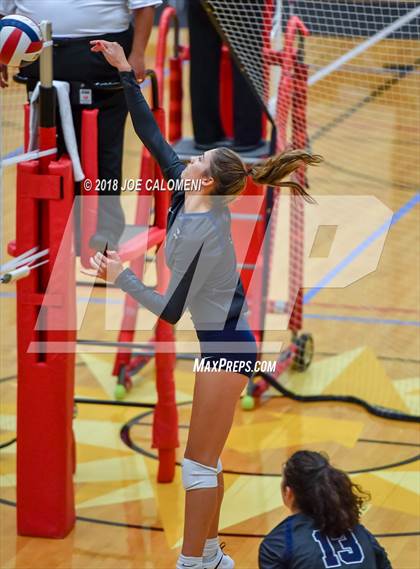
(45, 443)
(165, 416)
(226, 92)
(175, 99)
(89, 199)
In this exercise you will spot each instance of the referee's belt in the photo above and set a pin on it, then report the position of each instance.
(81, 92)
(112, 36)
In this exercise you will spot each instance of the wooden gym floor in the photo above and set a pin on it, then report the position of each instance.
(367, 344)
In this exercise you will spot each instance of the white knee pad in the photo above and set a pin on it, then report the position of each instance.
(219, 466)
(196, 475)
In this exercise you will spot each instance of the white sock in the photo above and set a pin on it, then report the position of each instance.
(211, 549)
(193, 562)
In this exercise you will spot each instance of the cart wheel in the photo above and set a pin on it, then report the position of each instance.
(123, 384)
(305, 352)
(247, 402)
(120, 392)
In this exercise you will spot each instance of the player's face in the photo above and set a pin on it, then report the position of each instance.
(198, 167)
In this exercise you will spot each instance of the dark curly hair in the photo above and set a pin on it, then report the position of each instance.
(324, 493)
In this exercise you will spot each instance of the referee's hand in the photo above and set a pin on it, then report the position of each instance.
(112, 52)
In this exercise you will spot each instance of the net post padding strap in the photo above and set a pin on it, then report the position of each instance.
(45, 447)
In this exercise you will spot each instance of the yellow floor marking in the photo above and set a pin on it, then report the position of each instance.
(319, 375)
(409, 391)
(113, 469)
(89, 453)
(408, 480)
(366, 378)
(134, 492)
(249, 496)
(169, 499)
(386, 495)
(291, 430)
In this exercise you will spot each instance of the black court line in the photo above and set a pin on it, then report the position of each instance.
(381, 442)
(8, 443)
(8, 378)
(127, 440)
(222, 533)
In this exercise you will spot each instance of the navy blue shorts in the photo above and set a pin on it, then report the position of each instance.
(232, 349)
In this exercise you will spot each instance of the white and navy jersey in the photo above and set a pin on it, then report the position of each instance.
(297, 544)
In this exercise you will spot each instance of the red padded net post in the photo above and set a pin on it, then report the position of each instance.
(45, 443)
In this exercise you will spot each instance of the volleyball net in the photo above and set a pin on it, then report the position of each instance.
(360, 63)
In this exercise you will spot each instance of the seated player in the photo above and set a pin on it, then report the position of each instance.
(323, 530)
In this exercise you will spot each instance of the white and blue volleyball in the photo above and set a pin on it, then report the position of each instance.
(20, 40)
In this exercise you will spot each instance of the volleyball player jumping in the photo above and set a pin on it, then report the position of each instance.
(200, 254)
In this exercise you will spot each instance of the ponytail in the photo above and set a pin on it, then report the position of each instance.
(324, 493)
(276, 168)
(230, 173)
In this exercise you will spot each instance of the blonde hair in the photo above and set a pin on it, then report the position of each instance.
(230, 172)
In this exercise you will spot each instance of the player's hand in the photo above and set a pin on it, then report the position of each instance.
(113, 53)
(137, 63)
(4, 76)
(107, 267)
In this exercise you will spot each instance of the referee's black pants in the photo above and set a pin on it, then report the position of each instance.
(75, 62)
(205, 47)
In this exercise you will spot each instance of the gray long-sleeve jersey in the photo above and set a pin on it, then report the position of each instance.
(199, 249)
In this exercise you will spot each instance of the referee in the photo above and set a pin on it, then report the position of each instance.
(75, 23)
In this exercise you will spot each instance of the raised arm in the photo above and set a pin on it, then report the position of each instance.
(143, 120)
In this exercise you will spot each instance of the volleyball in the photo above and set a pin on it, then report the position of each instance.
(20, 40)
